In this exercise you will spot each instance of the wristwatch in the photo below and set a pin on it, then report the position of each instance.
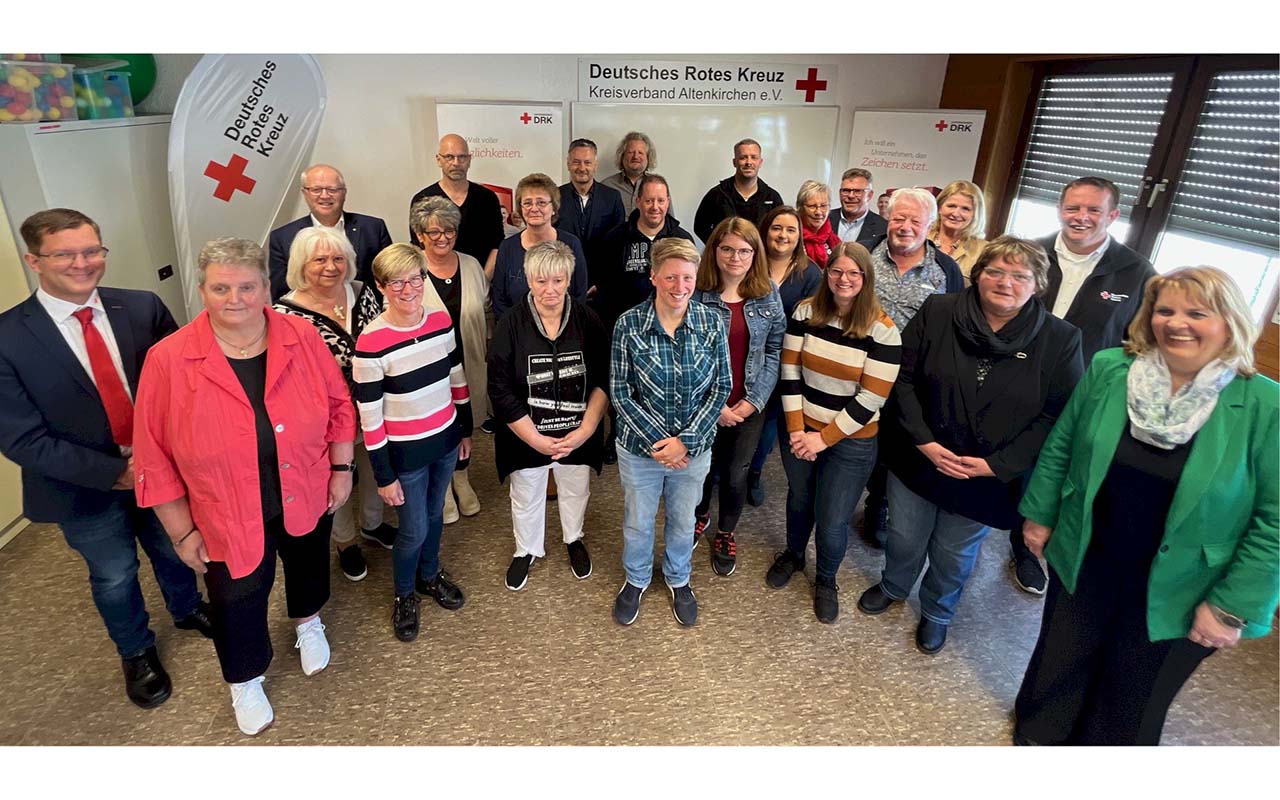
(342, 467)
(1230, 620)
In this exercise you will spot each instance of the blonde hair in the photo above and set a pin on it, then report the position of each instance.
(866, 307)
(977, 225)
(1214, 288)
(304, 248)
(672, 247)
(810, 188)
(548, 259)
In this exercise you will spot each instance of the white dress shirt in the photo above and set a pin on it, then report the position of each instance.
(61, 311)
(1076, 269)
(849, 230)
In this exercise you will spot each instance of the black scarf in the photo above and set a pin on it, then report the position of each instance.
(974, 330)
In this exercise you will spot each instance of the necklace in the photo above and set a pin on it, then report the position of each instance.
(244, 351)
(340, 311)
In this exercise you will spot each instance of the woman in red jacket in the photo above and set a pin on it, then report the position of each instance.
(243, 444)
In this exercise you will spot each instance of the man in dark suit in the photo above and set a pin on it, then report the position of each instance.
(70, 357)
(1095, 283)
(588, 209)
(853, 220)
(325, 191)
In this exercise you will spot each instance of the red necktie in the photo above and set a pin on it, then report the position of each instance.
(114, 397)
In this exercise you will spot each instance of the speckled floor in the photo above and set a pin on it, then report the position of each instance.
(547, 665)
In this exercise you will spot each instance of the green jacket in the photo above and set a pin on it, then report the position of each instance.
(1220, 541)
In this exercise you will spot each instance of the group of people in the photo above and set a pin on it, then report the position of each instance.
(966, 385)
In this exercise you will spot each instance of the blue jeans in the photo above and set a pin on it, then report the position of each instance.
(768, 433)
(417, 549)
(106, 541)
(644, 483)
(824, 491)
(918, 528)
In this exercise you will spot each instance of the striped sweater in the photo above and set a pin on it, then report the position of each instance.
(833, 383)
(411, 392)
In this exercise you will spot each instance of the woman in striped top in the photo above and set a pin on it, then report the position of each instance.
(416, 415)
(840, 358)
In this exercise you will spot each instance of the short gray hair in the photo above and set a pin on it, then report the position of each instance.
(232, 252)
(305, 246)
(302, 176)
(809, 189)
(921, 197)
(440, 209)
(548, 259)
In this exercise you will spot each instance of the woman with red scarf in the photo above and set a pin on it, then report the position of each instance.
(814, 204)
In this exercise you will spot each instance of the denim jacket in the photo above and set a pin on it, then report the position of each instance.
(766, 324)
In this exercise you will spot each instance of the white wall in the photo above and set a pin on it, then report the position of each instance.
(380, 128)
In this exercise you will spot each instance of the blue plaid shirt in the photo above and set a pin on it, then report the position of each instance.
(665, 386)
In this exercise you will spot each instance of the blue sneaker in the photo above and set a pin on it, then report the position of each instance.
(626, 607)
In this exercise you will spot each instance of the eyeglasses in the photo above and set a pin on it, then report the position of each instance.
(539, 203)
(817, 207)
(65, 258)
(845, 274)
(855, 192)
(317, 191)
(728, 252)
(398, 284)
(436, 235)
(1017, 277)
(451, 158)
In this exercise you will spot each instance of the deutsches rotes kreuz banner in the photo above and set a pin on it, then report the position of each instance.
(242, 130)
(705, 83)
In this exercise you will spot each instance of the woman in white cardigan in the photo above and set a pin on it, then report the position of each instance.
(458, 284)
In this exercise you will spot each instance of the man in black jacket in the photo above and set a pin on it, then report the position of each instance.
(853, 220)
(588, 208)
(742, 194)
(1096, 284)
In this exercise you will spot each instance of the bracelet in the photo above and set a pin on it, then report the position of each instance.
(184, 538)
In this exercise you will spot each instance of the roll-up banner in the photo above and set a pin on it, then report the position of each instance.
(928, 148)
(242, 131)
(508, 140)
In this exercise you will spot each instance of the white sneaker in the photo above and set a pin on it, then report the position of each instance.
(253, 712)
(314, 647)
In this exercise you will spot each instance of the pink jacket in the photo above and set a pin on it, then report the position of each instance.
(194, 433)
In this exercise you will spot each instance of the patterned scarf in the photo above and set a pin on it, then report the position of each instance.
(1164, 418)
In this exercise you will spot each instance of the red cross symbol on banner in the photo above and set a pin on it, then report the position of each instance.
(942, 125)
(230, 177)
(525, 118)
(811, 85)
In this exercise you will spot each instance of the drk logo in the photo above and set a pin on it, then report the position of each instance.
(537, 119)
(962, 127)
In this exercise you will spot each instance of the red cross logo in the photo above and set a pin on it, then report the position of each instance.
(525, 118)
(942, 125)
(811, 85)
(230, 178)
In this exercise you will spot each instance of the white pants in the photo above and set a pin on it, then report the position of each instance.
(344, 523)
(529, 504)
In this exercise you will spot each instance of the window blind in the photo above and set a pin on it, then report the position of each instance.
(1102, 125)
(1230, 186)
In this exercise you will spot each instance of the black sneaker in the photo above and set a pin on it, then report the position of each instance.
(1028, 573)
(404, 617)
(489, 425)
(579, 560)
(611, 452)
(785, 564)
(352, 562)
(684, 606)
(518, 572)
(700, 524)
(724, 553)
(826, 601)
(626, 606)
(384, 535)
(755, 489)
(445, 591)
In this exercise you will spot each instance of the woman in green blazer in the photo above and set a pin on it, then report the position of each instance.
(1154, 502)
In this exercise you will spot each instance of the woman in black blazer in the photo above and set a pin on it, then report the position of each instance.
(985, 373)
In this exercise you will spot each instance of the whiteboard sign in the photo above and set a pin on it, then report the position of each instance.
(738, 83)
(929, 147)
